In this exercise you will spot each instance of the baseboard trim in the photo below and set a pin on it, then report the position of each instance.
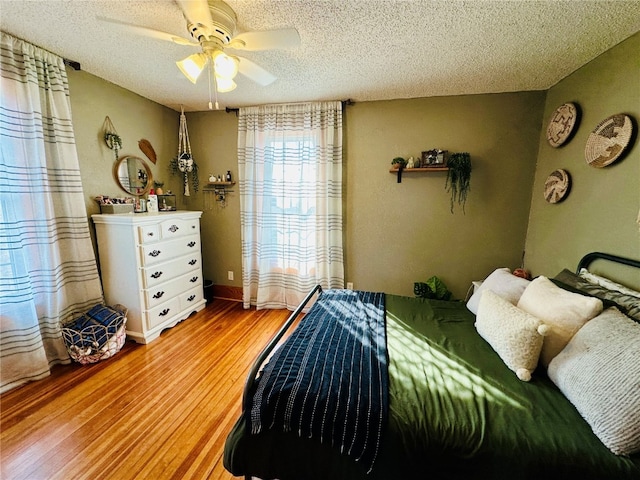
(227, 292)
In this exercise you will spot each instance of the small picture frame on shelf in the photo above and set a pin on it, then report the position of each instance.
(434, 158)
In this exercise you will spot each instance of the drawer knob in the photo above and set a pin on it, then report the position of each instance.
(156, 275)
(191, 298)
(173, 228)
(158, 294)
(193, 262)
(191, 244)
(164, 312)
(155, 253)
(150, 234)
(193, 279)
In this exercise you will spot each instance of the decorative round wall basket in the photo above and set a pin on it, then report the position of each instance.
(562, 123)
(608, 140)
(557, 186)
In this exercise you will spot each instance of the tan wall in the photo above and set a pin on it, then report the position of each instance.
(214, 140)
(602, 208)
(134, 118)
(397, 234)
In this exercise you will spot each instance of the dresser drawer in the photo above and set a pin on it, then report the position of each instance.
(179, 227)
(193, 296)
(160, 293)
(162, 272)
(164, 251)
(163, 312)
(149, 233)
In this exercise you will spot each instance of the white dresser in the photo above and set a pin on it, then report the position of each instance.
(151, 263)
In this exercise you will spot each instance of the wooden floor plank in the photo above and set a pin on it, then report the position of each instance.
(161, 410)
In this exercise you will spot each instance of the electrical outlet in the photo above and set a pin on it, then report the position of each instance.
(349, 285)
(230, 275)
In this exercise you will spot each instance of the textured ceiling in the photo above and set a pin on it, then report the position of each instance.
(351, 49)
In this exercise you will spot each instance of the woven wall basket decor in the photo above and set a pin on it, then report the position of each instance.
(608, 141)
(562, 124)
(557, 186)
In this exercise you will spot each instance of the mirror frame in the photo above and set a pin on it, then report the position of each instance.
(147, 171)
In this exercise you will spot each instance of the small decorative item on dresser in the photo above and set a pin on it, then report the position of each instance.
(158, 187)
(166, 203)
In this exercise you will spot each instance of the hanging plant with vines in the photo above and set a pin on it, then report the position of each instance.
(184, 164)
(174, 168)
(111, 137)
(459, 178)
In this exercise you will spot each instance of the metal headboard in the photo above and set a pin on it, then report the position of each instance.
(590, 257)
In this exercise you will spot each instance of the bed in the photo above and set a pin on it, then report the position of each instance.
(450, 401)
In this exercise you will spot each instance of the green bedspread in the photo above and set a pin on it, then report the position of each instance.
(455, 411)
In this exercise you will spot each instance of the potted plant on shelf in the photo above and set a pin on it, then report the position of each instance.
(458, 178)
(398, 163)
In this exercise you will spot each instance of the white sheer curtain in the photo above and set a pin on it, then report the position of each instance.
(290, 174)
(47, 263)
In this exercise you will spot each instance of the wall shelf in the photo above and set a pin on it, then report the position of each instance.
(399, 171)
(421, 169)
(220, 184)
(219, 190)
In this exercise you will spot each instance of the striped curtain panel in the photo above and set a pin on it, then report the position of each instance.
(290, 176)
(47, 263)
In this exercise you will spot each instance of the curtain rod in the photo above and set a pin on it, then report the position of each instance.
(72, 63)
(345, 103)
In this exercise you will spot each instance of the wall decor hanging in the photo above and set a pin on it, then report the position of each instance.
(111, 137)
(562, 124)
(459, 178)
(145, 147)
(184, 164)
(557, 186)
(609, 140)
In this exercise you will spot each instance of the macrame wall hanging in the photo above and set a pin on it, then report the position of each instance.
(184, 163)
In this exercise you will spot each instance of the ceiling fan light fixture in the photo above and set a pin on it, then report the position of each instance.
(225, 66)
(224, 85)
(192, 66)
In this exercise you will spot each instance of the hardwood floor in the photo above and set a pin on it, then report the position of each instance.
(156, 411)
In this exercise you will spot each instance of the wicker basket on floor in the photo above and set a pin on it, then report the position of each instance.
(95, 335)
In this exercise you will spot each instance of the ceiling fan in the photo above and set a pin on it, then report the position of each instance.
(212, 26)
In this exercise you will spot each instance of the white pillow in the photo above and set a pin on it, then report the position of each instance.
(599, 372)
(565, 312)
(606, 283)
(502, 282)
(514, 334)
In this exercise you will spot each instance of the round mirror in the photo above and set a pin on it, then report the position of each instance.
(133, 175)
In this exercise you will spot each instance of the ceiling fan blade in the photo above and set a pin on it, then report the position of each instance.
(255, 72)
(148, 32)
(196, 11)
(266, 40)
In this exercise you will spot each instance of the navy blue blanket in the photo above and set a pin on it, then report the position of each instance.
(329, 380)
